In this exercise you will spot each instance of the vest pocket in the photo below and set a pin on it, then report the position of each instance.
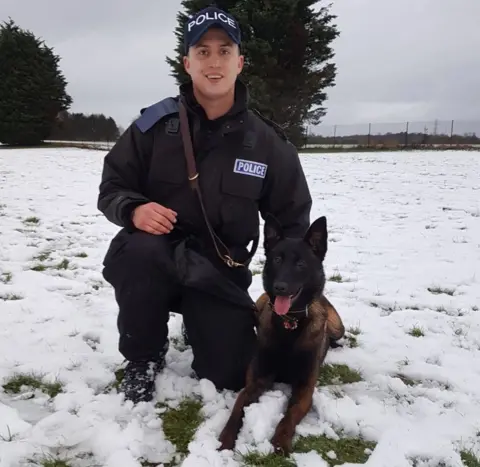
(239, 207)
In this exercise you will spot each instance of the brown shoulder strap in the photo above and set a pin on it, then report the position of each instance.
(193, 177)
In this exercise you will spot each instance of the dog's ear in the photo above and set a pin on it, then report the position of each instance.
(317, 237)
(272, 232)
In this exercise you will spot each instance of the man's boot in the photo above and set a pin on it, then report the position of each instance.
(138, 383)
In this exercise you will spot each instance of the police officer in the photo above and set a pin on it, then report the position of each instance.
(172, 255)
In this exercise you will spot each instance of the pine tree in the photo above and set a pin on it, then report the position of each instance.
(287, 48)
(32, 89)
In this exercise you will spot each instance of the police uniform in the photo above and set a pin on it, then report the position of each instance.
(246, 166)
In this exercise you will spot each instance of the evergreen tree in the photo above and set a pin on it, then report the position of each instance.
(80, 127)
(287, 48)
(32, 89)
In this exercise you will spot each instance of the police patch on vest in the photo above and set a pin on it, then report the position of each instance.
(254, 169)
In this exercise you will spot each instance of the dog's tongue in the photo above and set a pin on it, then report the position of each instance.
(282, 305)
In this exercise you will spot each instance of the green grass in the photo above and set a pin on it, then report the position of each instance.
(181, 423)
(6, 277)
(351, 336)
(49, 460)
(416, 332)
(14, 385)
(469, 459)
(81, 255)
(266, 460)
(347, 449)
(64, 264)
(351, 450)
(406, 380)
(440, 290)
(337, 374)
(337, 277)
(55, 463)
(10, 297)
(44, 256)
(31, 220)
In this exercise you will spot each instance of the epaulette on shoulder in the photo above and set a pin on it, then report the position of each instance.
(153, 114)
(278, 129)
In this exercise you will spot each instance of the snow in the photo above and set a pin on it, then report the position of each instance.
(399, 223)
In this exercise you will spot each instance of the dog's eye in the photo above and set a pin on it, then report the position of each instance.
(301, 264)
(277, 260)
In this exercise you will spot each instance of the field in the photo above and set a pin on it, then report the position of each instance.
(403, 270)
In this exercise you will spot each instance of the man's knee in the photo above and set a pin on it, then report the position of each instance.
(222, 337)
(225, 376)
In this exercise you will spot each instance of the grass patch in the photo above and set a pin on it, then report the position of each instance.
(63, 264)
(17, 382)
(416, 332)
(386, 308)
(406, 380)
(10, 297)
(44, 256)
(355, 330)
(9, 438)
(81, 255)
(266, 460)
(337, 374)
(51, 461)
(469, 459)
(354, 450)
(475, 308)
(31, 220)
(6, 277)
(181, 423)
(337, 277)
(440, 290)
(351, 336)
(350, 450)
(119, 375)
(352, 341)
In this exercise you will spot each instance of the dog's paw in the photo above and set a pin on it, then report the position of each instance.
(282, 443)
(227, 441)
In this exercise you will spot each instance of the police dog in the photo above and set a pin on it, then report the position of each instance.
(296, 324)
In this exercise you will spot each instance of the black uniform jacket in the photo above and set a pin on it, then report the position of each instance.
(246, 167)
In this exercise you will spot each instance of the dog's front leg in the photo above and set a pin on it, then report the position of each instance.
(254, 388)
(298, 406)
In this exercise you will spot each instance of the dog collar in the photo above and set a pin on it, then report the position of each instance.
(290, 322)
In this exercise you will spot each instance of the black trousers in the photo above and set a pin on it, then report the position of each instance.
(143, 272)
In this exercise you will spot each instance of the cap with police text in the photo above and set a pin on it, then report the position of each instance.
(198, 24)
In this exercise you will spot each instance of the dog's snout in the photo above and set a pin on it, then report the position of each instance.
(280, 287)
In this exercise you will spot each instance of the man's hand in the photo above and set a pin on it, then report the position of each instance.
(154, 218)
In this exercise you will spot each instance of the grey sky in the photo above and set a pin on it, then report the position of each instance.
(402, 60)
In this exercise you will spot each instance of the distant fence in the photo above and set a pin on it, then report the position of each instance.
(99, 145)
(436, 133)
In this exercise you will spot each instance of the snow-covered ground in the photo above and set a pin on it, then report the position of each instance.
(405, 239)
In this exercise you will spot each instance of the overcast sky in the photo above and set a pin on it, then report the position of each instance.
(397, 60)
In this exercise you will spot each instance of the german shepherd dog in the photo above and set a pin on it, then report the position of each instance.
(295, 325)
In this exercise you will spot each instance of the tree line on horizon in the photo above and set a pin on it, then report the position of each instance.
(288, 67)
(395, 139)
(81, 127)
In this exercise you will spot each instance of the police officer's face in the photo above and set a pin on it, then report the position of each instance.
(214, 63)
